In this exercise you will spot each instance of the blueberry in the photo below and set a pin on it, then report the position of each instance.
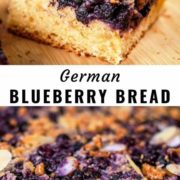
(119, 16)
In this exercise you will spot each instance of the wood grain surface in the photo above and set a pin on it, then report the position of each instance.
(160, 45)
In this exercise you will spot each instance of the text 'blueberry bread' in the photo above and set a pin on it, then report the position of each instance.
(107, 29)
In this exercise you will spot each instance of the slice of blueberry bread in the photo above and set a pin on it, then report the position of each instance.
(90, 143)
(107, 29)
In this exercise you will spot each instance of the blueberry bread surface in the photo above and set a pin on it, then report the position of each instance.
(89, 143)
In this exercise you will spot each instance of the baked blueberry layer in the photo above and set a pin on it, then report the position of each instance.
(119, 14)
(12, 124)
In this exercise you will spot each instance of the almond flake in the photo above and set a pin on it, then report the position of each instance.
(174, 169)
(165, 136)
(133, 165)
(114, 147)
(68, 167)
(175, 142)
(5, 158)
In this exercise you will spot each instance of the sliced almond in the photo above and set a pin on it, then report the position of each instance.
(174, 169)
(165, 136)
(175, 142)
(68, 167)
(114, 147)
(5, 158)
(133, 165)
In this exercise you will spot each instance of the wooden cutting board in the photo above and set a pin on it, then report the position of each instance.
(160, 45)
